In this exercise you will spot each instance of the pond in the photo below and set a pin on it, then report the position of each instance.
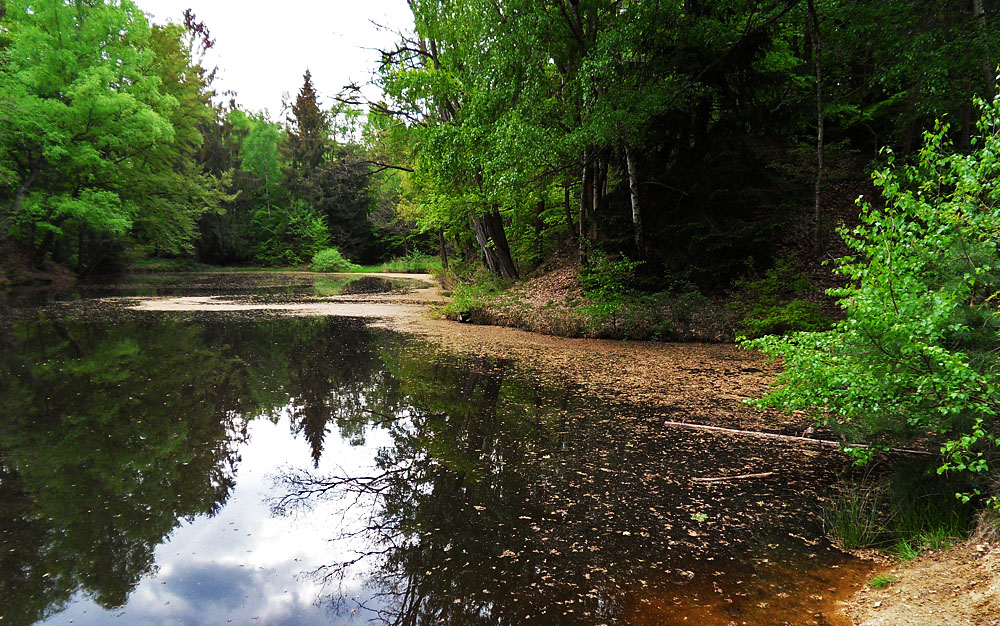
(251, 467)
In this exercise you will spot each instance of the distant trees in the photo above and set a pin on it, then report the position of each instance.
(298, 189)
(110, 141)
(98, 132)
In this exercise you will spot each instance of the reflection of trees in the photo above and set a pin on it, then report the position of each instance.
(108, 441)
(503, 501)
(114, 430)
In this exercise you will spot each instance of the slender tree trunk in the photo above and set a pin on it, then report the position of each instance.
(595, 205)
(989, 71)
(492, 241)
(443, 249)
(567, 204)
(968, 123)
(22, 191)
(539, 226)
(820, 120)
(633, 186)
(586, 197)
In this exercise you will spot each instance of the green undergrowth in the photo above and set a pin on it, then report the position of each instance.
(904, 513)
(774, 304)
(608, 303)
(617, 301)
(410, 264)
(157, 264)
(330, 260)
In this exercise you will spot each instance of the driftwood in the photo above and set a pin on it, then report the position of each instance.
(792, 438)
(719, 479)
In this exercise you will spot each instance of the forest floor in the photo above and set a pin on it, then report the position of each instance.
(955, 587)
(17, 268)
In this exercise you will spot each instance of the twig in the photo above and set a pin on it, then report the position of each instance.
(719, 479)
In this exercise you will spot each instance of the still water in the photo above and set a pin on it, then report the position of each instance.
(250, 468)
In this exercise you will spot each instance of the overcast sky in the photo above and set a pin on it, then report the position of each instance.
(263, 47)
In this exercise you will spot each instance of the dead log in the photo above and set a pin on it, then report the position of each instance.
(791, 438)
(719, 479)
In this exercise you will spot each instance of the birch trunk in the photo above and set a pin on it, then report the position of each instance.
(633, 186)
(820, 120)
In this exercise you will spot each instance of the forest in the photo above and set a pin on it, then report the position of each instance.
(685, 135)
(816, 180)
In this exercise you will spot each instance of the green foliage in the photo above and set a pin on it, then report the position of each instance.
(330, 260)
(915, 357)
(99, 132)
(769, 306)
(881, 581)
(608, 279)
(905, 512)
(473, 294)
(289, 236)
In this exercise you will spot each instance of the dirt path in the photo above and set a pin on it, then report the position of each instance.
(957, 587)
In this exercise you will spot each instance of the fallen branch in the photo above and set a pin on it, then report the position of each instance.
(719, 479)
(793, 438)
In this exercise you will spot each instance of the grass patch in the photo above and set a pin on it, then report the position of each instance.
(903, 513)
(411, 264)
(881, 582)
(157, 264)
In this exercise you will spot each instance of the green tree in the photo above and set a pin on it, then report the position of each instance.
(915, 357)
(88, 148)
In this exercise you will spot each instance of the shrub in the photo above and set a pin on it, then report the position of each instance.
(915, 357)
(770, 306)
(330, 260)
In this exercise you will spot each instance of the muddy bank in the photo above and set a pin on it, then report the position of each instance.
(957, 587)
(703, 382)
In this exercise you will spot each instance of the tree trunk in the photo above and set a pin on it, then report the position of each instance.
(586, 196)
(989, 71)
(493, 242)
(539, 227)
(22, 191)
(569, 214)
(596, 186)
(633, 186)
(818, 64)
(443, 249)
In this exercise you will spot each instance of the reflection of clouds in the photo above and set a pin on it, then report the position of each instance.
(244, 564)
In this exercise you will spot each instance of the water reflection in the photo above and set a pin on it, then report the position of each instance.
(503, 500)
(138, 450)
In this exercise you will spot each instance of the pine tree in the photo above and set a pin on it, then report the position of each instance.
(309, 131)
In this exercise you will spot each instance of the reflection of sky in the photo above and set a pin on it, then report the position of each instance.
(244, 566)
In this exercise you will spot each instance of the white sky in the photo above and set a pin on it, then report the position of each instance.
(263, 47)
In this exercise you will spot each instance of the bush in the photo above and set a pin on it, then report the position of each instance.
(330, 260)
(290, 236)
(411, 264)
(915, 357)
(770, 306)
